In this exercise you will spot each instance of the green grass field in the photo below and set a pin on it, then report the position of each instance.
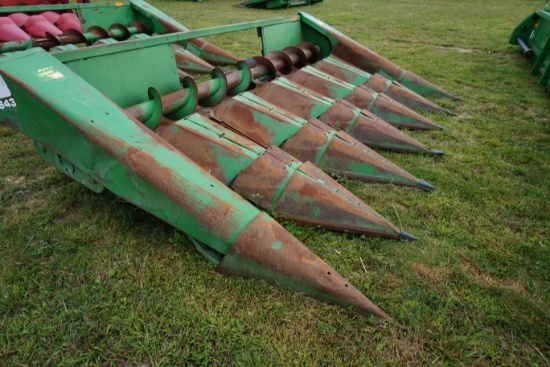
(89, 279)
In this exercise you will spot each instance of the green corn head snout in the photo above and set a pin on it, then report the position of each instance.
(124, 116)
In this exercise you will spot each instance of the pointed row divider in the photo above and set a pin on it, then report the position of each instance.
(377, 82)
(337, 152)
(366, 127)
(374, 168)
(365, 59)
(233, 82)
(342, 115)
(363, 97)
(333, 151)
(273, 179)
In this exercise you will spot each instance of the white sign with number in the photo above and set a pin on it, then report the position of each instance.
(6, 100)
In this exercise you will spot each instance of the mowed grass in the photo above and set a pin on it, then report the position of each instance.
(88, 279)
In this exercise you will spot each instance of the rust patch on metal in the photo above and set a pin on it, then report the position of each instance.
(305, 143)
(281, 61)
(201, 148)
(310, 50)
(338, 116)
(358, 55)
(296, 55)
(153, 172)
(374, 155)
(314, 172)
(290, 100)
(240, 117)
(336, 207)
(380, 134)
(361, 97)
(314, 83)
(260, 181)
(268, 66)
(372, 132)
(290, 262)
(216, 216)
(377, 83)
(331, 69)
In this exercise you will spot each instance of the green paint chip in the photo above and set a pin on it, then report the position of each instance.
(277, 245)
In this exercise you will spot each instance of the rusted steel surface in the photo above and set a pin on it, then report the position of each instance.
(273, 179)
(378, 83)
(301, 192)
(309, 141)
(186, 60)
(328, 207)
(266, 125)
(360, 56)
(265, 189)
(314, 142)
(265, 248)
(364, 98)
(202, 48)
(342, 115)
(294, 101)
(370, 130)
(239, 114)
(219, 157)
(383, 106)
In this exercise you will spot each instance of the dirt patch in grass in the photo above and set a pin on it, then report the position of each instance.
(488, 281)
(36, 202)
(14, 180)
(459, 49)
(432, 274)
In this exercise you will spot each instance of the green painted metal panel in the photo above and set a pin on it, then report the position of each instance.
(158, 20)
(64, 113)
(125, 77)
(533, 35)
(166, 39)
(274, 4)
(105, 16)
(279, 36)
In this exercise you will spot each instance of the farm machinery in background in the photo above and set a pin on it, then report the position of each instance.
(532, 35)
(104, 91)
(274, 4)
